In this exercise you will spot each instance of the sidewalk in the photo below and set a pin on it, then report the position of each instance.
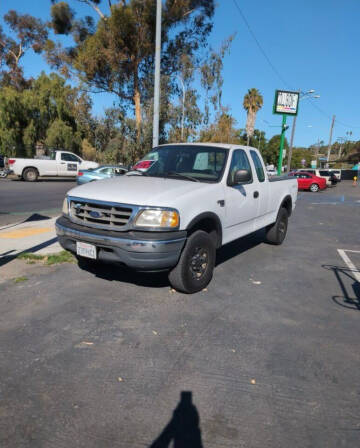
(37, 237)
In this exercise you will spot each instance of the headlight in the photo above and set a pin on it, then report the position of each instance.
(65, 207)
(158, 218)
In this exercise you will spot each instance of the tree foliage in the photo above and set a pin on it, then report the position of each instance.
(116, 54)
(270, 152)
(26, 32)
(252, 103)
(46, 112)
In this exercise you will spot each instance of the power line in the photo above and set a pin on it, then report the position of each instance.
(277, 73)
(260, 47)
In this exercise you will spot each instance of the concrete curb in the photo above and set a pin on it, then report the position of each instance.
(37, 237)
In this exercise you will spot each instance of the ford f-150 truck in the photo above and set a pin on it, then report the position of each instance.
(177, 206)
(60, 163)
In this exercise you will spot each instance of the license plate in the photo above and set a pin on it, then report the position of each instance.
(86, 250)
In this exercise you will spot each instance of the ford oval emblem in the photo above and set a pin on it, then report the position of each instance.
(95, 214)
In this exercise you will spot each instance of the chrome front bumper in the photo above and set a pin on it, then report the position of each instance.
(150, 253)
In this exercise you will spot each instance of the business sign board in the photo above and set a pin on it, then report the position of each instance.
(313, 164)
(286, 102)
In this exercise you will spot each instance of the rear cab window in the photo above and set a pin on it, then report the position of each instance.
(258, 166)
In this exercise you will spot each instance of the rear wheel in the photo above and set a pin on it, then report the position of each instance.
(30, 174)
(276, 233)
(196, 264)
(314, 188)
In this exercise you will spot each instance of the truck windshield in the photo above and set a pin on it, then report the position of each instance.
(192, 162)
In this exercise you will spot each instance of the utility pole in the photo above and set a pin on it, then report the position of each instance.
(288, 167)
(330, 138)
(157, 75)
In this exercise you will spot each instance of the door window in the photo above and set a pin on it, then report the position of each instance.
(106, 171)
(258, 166)
(239, 161)
(69, 157)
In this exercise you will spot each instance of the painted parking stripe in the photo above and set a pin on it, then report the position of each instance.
(23, 233)
(349, 263)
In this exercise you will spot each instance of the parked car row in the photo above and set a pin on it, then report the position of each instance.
(332, 176)
(102, 172)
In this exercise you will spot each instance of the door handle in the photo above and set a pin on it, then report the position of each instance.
(63, 163)
(256, 194)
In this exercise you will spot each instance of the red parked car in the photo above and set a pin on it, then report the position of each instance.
(308, 181)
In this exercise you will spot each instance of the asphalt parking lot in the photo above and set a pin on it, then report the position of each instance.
(269, 353)
(20, 200)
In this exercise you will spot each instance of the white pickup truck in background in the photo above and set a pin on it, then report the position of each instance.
(59, 164)
(190, 200)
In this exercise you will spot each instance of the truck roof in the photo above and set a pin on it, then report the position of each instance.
(218, 145)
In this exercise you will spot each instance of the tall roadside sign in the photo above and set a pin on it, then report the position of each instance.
(285, 103)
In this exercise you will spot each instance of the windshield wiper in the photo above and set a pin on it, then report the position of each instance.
(183, 176)
(144, 173)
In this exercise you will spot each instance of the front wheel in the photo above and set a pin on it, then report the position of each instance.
(276, 233)
(196, 264)
(314, 188)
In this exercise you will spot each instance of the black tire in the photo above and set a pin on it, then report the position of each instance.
(276, 233)
(196, 264)
(30, 174)
(314, 188)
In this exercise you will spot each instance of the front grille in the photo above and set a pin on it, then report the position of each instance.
(102, 215)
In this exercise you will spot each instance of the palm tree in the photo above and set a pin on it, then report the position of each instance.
(253, 102)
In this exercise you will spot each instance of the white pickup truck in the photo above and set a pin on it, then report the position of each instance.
(190, 200)
(60, 164)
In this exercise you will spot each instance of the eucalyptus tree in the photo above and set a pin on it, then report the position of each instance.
(113, 49)
(25, 33)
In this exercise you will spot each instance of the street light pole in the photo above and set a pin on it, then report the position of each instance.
(183, 108)
(288, 167)
(157, 75)
(310, 92)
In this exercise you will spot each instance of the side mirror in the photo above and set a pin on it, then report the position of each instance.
(242, 177)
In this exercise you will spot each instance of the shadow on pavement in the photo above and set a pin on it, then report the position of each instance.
(50, 179)
(183, 428)
(239, 246)
(120, 273)
(7, 258)
(350, 299)
(36, 217)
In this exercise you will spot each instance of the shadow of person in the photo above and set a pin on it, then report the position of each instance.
(183, 428)
(346, 300)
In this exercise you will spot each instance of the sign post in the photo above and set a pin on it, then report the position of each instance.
(285, 103)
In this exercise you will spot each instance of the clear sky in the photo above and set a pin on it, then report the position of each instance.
(312, 44)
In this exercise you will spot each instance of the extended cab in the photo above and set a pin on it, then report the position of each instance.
(60, 164)
(190, 200)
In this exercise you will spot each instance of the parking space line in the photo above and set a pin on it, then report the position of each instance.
(349, 263)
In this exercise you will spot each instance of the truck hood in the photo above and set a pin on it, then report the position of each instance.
(139, 190)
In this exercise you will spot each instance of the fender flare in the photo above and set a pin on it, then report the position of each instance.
(208, 216)
(287, 203)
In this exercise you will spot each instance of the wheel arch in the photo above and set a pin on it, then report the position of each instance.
(32, 167)
(210, 223)
(287, 204)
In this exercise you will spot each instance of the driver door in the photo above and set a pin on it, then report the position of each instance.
(241, 200)
(68, 164)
